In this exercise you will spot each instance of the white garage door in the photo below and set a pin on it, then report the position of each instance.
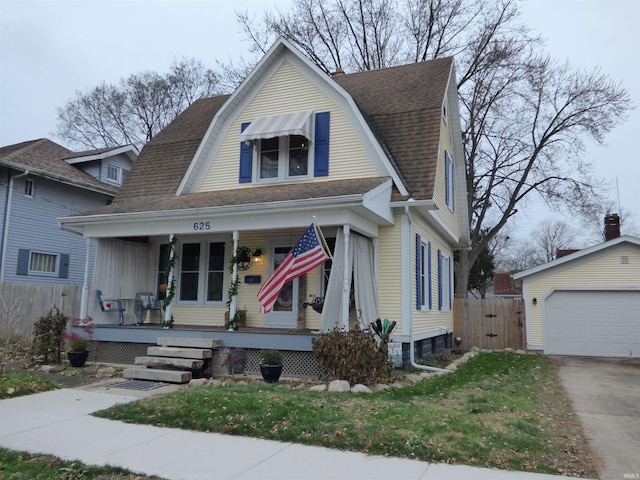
(592, 323)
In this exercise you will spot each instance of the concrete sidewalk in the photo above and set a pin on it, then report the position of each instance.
(59, 423)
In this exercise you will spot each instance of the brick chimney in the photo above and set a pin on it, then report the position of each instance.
(611, 226)
(338, 71)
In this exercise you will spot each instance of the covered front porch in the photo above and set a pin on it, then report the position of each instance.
(122, 344)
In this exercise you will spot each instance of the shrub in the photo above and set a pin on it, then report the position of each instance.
(271, 357)
(48, 336)
(355, 356)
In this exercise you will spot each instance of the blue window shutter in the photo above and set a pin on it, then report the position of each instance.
(418, 271)
(63, 270)
(429, 273)
(321, 145)
(439, 280)
(246, 159)
(23, 262)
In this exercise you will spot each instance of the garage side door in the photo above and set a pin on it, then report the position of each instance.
(592, 323)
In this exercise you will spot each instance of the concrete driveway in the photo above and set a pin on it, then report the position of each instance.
(606, 395)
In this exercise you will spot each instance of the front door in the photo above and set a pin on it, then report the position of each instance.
(285, 310)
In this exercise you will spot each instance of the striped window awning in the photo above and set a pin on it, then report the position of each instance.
(298, 123)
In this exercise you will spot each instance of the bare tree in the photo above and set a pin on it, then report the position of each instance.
(525, 118)
(135, 109)
(593, 221)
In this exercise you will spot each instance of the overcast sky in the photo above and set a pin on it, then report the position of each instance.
(49, 49)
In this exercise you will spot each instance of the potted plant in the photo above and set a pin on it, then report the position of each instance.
(234, 360)
(78, 347)
(78, 350)
(271, 365)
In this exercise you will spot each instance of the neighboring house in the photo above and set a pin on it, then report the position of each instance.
(505, 287)
(586, 303)
(376, 157)
(42, 181)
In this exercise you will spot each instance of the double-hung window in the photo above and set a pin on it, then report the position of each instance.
(449, 180)
(202, 272)
(445, 281)
(42, 264)
(284, 147)
(114, 174)
(423, 274)
(283, 157)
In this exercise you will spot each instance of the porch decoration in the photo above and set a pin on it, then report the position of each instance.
(171, 288)
(307, 254)
(271, 365)
(233, 323)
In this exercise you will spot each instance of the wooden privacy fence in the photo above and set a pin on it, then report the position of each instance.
(494, 323)
(22, 304)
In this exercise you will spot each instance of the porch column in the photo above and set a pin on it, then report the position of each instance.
(346, 285)
(234, 275)
(167, 312)
(85, 284)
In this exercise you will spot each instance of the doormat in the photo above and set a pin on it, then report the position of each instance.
(141, 385)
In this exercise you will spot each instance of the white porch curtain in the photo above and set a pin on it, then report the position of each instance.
(121, 271)
(361, 265)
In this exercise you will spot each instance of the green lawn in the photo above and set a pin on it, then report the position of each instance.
(19, 384)
(21, 465)
(502, 411)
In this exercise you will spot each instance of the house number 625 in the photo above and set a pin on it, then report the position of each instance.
(202, 226)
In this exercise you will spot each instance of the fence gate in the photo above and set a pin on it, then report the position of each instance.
(489, 322)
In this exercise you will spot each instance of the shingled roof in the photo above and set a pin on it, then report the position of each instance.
(46, 158)
(401, 104)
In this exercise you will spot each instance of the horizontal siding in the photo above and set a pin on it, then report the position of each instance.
(439, 191)
(33, 226)
(429, 321)
(600, 270)
(390, 273)
(289, 91)
(210, 315)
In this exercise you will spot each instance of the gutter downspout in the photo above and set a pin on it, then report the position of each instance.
(5, 229)
(411, 341)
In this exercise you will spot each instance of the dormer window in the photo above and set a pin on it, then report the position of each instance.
(284, 147)
(283, 157)
(114, 174)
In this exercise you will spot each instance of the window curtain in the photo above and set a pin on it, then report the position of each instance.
(121, 271)
(332, 307)
(364, 280)
(361, 266)
(121, 268)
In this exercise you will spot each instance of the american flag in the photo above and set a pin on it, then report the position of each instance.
(306, 255)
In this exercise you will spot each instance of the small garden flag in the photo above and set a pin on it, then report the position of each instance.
(306, 255)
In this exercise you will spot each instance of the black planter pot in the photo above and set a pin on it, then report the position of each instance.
(78, 359)
(271, 373)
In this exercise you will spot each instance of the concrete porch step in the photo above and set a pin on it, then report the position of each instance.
(169, 362)
(180, 352)
(171, 376)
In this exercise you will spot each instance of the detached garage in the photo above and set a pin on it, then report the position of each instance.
(586, 303)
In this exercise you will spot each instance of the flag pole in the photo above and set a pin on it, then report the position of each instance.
(325, 245)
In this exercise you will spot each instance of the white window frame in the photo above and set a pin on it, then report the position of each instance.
(445, 112)
(203, 271)
(445, 283)
(29, 188)
(118, 171)
(283, 162)
(425, 276)
(53, 256)
(450, 180)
